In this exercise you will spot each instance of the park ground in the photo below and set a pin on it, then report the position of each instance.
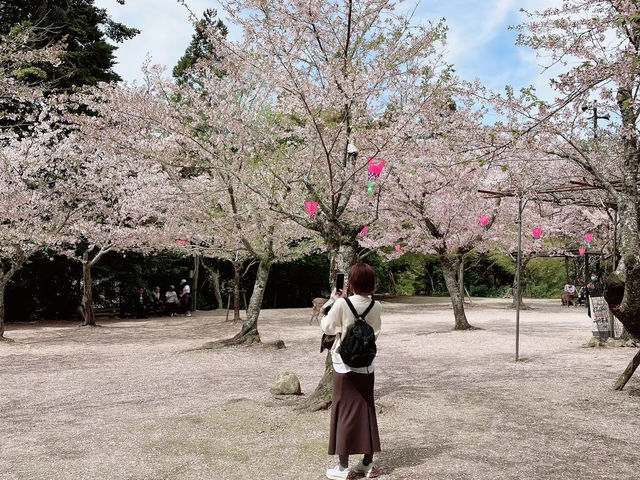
(132, 400)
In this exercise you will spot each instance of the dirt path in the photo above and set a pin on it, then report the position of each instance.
(126, 401)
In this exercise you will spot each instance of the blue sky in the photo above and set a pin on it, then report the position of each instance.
(479, 43)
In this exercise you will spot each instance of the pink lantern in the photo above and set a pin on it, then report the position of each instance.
(484, 221)
(375, 167)
(537, 233)
(363, 232)
(589, 238)
(312, 207)
(182, 242)
(582, 251)
(397, 248)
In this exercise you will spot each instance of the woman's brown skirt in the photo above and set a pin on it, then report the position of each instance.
(354, 427)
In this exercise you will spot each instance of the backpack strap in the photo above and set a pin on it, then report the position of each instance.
(355, 313)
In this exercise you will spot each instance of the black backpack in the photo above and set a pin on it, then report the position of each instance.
(359, 346)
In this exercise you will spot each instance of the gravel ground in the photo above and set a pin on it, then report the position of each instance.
(130, 401)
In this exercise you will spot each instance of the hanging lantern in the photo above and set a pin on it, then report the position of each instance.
(182, 242)
(375, 169)
(397, 248)
(46, 249)
(582, 251)
(363, 232)
(312, 207)
(537, 233)
(484, 221)
(589, 238)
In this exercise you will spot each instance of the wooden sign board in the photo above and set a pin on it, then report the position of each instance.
(600, 317)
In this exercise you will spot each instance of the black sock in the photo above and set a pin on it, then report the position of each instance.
(344, 460)
(368, 458)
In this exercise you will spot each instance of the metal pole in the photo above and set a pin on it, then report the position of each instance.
(518, 286)
(595, 121)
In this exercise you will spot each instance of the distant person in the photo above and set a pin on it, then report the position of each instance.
(354, 427)
(157, 303)
(185, 298)
(568, 296)
(141, 302)
(171, 300)
(594, 289)
(582, 296)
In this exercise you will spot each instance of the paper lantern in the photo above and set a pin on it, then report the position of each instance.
(582, 251)
(589, 238)
(363, 232)
(397, 248)
(312, 207)
(484, 221)
(375, 169)
(537, 233)
(181, 242)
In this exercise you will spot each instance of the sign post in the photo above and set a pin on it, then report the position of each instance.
(600, 318)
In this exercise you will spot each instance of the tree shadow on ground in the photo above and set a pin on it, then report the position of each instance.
(393, 458)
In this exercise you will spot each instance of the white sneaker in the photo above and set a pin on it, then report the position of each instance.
(369, 471)
(336, 473)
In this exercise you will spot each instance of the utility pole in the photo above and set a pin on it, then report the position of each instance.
(595, 117)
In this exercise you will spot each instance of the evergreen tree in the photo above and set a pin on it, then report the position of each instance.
(81, 27)
(200, 47)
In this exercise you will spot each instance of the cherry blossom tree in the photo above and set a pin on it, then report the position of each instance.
(595, 47)
(121, 205)
(33, 208)
(349, 80)
(35, 205)
(434, 205)
(211, 136)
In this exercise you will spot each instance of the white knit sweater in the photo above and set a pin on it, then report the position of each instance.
(338, 320)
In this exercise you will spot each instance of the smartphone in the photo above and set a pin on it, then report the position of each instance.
(339, 282)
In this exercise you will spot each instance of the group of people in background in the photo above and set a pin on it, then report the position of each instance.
(593, 289)
(173, 302)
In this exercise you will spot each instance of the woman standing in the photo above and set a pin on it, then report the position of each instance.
(354, 427)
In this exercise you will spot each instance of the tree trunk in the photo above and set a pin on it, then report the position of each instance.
(2, 288)
(215, 282)
(341, 258)
(393, 289)
(87, 292)
(566, 269)
(433, 287)
(237, 266)
(514, 301)
(194, 282)
(461, 277)
(628, 372)
(320, 399)
(449, 270)
(249, 333)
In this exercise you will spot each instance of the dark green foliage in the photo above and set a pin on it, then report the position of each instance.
(48, 283)
(49, 286)
(546, 277)
(297, 283)
(81, 27)
(200, 47)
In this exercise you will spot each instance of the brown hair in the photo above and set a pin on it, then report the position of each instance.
(362, 279)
